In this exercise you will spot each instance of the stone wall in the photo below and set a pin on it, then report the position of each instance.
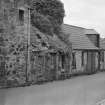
(15, 44)
(15, 31)
(88, 62)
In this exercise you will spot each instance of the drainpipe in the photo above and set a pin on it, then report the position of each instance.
(28, 67)
(99, 61)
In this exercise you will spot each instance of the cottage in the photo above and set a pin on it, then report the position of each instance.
(85, 53)
(94, 37)
(50, 55)
(30, 54)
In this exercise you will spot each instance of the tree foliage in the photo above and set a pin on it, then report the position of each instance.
(51, 12)
(42, 23)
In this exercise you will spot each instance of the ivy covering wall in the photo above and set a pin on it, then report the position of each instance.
(13, 46)
(14, 49)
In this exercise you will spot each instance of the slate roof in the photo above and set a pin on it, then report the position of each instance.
(77, 37)
(57, 43)
(90, 31)
(53, 42)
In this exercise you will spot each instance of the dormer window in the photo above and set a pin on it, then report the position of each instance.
(21, 16)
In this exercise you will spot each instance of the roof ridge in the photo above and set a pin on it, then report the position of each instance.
(80, 27)
(74, 26)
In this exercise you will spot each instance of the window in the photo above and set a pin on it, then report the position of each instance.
(44, 44)
(1, 59)
(38, 36)
(21, 15)
(1, 41)
(102, 56)
(63, 61)
(82, 62)
(73, 61)
(4, 12)
(1, 30)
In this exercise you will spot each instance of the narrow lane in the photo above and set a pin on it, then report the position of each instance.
(84, 90)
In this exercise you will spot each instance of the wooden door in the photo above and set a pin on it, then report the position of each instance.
(93, 62)
(90, 62)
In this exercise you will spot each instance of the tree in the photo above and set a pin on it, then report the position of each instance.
(51, 11)
(42, 23)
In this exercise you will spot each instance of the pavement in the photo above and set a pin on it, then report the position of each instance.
(82, 90)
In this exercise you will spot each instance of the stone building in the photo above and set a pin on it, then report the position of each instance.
(85, 45)
(29, 53)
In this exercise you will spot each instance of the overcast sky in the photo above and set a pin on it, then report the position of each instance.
(86, 13)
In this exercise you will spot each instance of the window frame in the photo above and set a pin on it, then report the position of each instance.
(21, 16)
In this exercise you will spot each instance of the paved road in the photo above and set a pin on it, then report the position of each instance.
(102, 102)
(2, 97)
(84, 90)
